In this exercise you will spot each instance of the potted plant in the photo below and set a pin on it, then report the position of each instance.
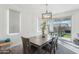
(43, 27)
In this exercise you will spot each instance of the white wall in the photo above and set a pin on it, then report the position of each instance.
(75, 25)
(3, 23)
(28, 22)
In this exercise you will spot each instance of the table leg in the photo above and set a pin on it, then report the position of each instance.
(39, 50)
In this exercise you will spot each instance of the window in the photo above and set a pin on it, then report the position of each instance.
(13, 21)
(62, 26)
(38, 24)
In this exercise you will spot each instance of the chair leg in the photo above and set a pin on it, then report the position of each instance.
(54, 48)
(54, 51)
(56, 45)
(51, 52)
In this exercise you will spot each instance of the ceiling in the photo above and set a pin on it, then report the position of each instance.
(54, 8)
(58, 8)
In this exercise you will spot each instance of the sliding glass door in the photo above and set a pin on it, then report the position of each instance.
(61, 26)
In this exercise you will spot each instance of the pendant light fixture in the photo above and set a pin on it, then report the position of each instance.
(47, 15)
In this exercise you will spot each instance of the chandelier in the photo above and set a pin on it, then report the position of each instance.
(47, 15)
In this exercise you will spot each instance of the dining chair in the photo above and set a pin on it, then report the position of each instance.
(56, 40)
(26, 45)
(51, 46)
(55, 44)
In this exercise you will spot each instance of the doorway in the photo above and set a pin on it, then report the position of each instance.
(61, 26)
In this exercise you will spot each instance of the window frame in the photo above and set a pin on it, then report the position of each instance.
(8, 32)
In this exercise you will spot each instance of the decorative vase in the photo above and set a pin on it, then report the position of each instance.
(43, 34)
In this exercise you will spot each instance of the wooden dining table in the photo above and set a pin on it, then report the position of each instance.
(39, 42)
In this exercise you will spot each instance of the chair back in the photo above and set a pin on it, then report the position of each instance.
(26, 45)
(53, 44)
